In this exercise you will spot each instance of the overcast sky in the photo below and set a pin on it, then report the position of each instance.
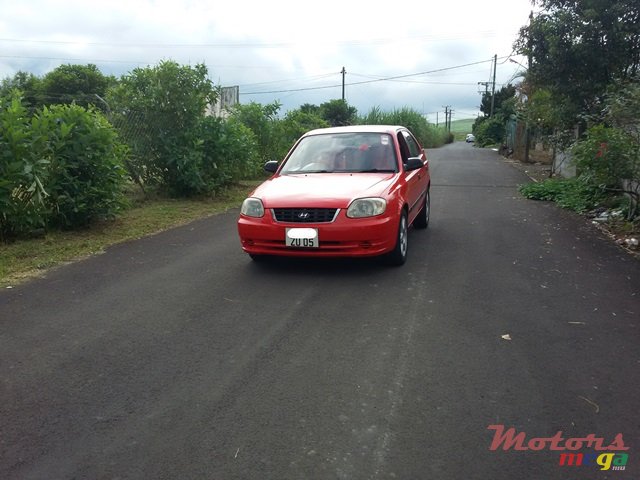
(293, 49)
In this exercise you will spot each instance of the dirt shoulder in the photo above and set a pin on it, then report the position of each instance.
(537, 172)
(624, 234)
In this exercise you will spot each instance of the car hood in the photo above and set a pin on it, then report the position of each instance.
(326, 190)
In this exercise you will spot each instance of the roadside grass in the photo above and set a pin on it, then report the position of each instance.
(460, 128)
(31, 258)
(607, 211)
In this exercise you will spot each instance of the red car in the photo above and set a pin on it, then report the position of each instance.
(340, 192)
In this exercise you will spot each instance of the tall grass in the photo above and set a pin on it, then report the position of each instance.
(428, 134)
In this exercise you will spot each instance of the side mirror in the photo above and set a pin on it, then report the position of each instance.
(413, 163)
(271, 166)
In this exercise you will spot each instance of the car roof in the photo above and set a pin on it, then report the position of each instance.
(357, 129)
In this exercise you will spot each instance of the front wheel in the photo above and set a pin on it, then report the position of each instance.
(398, 256)
(422, 220)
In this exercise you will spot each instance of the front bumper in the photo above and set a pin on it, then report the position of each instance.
(344, 237)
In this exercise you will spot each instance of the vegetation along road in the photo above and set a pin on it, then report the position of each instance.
(176, 356)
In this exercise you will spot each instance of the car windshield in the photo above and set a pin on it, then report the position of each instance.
(342, 152)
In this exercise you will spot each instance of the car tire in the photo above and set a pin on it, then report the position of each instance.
(256, 258)
(398, 256)
(422, 220)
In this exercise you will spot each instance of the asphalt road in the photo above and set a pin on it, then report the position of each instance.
(176, 357)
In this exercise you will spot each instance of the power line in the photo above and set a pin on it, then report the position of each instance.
(415, 81)
(383, 79)
(312, 77)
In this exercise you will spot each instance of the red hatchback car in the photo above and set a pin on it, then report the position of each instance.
(340, 192)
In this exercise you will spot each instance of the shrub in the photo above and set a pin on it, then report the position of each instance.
(80, 84)
(608, 155)
(262, 121)
(230, 153)
(293, 126)
(85, 173)
(158, 111)
(338, 113)
(22, 172)
(429, 135)
(60, 167)
(489, 131)
(578, 194)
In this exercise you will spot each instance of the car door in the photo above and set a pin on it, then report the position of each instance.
(416, 179)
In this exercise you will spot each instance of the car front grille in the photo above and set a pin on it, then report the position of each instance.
(305, 215)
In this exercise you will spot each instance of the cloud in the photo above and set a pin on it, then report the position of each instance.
(279, 45)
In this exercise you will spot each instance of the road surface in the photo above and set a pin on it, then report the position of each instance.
(177, 357)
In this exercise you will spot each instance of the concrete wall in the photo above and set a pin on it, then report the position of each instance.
(229, 96)
(563, 165)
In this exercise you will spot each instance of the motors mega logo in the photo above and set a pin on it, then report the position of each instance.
(612, 459)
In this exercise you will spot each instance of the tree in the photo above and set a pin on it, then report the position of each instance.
(230, 152)
(294, 125)
(609, 153)
(158, 111)
(491, 130)
(262, 120)
(578, 47)
(505, 93)
(81, 84)
(310, 108)
(541, 111)
(338, 113)
(25, 82)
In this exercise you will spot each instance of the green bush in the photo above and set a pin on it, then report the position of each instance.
(489, 131)
(158, 111)
(608, 155)
(428, 134)
(338, 113)
(294, 125)
(230, 153)
(85, 173)
(60, 167)
(263, 122)
(576, 194)
(22, 171)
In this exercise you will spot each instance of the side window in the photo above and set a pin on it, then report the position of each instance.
(404, 149)
(414, 148)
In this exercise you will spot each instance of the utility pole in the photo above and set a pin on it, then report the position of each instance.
(486, 87)
(447, 117)
(343, 72)
(493, 88)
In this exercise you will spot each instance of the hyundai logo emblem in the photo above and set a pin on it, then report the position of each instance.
(303, 215)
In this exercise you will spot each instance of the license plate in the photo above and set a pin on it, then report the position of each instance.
(302, 238)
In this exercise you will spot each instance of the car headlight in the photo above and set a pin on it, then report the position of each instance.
(366, 207)
(252, 207)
